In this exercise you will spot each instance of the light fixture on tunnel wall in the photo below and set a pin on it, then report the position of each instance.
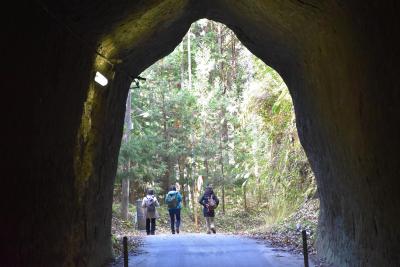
(100, 79)
(136, 81)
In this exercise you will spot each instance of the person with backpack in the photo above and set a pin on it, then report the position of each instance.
(210, 202)
(149, 205)
(174, 201)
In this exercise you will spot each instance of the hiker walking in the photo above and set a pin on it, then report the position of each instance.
(174, 201)
(210, 202)
(149, 205)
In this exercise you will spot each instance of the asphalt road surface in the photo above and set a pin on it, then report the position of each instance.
(202, 250)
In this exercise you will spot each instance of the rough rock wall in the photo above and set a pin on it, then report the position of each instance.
(51, 218)
(63, 131)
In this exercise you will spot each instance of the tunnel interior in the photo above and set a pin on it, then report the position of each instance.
(338, 58)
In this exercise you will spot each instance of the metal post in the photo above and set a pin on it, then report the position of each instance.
(125, 248)
(305, 249)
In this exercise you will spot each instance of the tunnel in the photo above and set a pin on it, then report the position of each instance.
(61, 131)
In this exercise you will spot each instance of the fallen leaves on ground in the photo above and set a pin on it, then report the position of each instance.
(285, 235)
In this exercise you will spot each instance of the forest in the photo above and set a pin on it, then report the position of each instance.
(213, 113)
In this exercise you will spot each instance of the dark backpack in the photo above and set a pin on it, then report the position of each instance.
(212, 204)
(150, 204)
(172, 200)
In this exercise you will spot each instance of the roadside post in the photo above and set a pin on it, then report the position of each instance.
(305, 249)
(125, 249)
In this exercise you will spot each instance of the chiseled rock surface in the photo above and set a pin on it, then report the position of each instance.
(62, 131)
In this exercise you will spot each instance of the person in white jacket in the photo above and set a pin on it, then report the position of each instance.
(150, 204)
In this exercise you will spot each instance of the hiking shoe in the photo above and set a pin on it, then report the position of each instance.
(173, 232)
(177, 230)
(213, 230)
(208, 232)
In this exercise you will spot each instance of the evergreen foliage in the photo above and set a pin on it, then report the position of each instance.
(234, 126)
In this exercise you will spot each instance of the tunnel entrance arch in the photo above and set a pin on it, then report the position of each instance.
(260, 154)
(326, 52)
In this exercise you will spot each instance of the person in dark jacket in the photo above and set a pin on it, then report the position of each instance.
(207, 201)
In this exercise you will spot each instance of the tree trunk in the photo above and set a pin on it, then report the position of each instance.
(135, 192)
(195, 204)
(223, 189)
(125, 181)
(221, 160)
(244, 196)
(258, 180)
(194, 185)
(234, 61)
(125, 199)
(189, 62)
(128, 119)
(182, 65)
(181, 166)
(189, 185)
(184, 195)
(224, 126)
(166, 177)
(192, 199)
(132, 192)
(220, 40)
(207, 170)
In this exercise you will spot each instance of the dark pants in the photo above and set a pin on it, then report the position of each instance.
(175, 214)
(150, 226)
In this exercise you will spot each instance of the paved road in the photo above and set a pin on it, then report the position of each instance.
(202, 250)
